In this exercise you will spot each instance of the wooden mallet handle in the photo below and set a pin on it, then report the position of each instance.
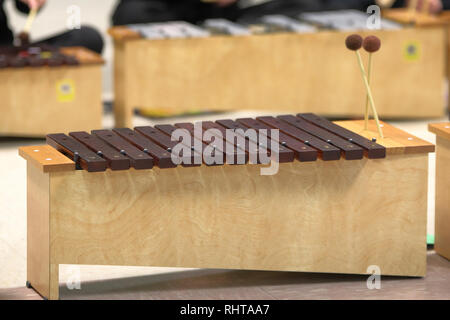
(30, 20)
(354, 42)
(371, 44)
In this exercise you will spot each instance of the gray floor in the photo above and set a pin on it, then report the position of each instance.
(241, 285)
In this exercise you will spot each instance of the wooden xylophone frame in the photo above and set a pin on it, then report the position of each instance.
(246, 72)
(337, 216)
(34, 103)
(442, 216)
(425, 21)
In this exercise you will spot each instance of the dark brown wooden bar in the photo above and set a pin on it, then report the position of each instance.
(196, 145)
(252, 153)
(168, 129)
(160, 138)
(161, 157)
(327, 151)
(221, 145)
(302, 152)
(80, 154)
(138, 159)
(350, 151)
(373, 150)
(284, 154)
(305, 137)
(116, 160)
(24, 56)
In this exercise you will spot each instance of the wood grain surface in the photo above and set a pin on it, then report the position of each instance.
(395, 141)
(321, 217)
(440, 129)
(32, 106)
(442, 215)
(46, 158)
(38, 230)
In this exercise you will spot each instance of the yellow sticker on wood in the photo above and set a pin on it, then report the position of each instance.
(65, 90)
(411, 50)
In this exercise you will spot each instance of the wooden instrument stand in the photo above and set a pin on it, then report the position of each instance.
(425, 21)
(284, 72)
(442, 220)
(324, 216)
(38, 100)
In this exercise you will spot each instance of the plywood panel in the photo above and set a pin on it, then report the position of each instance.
(33, 104)
(335, 217)
(442, 219)
(38, 229)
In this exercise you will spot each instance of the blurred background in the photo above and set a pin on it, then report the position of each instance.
(93, 13)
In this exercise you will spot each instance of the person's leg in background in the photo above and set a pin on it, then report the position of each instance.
(145, 11)
(347, 4)
(142, 11)
(87, 37)
(284, 7)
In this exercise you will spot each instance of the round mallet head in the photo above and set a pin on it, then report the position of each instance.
(24, 38)
(354, 42)
(371, 44)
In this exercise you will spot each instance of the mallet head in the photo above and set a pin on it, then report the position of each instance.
(371, 44)
(354, 42)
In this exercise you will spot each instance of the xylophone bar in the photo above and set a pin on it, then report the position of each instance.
(81, 155)
(327, 151)
(116, 160)
(350, 150)
(284, 154)
(165, 141)
(24, 59)
(302, 151)
(305, 137)
(220, 144)
(138, 158)
(168, 129)
(161, 156)
(372, 149)
(252, 153)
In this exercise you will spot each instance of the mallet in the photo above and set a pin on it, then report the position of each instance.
(354, 42)
(371, 44)
(24, 35)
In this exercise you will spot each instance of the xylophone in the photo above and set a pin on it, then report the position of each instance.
(44, 89)
(342, 199)
(34, 56)
(422, 20)
(278, 61)
(442, 217)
